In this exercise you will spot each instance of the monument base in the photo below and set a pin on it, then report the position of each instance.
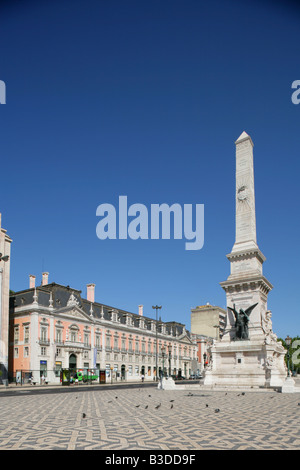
(166, 384)
(288, 385)
(246, 363)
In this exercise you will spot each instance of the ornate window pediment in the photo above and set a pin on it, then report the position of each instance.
(72, 301)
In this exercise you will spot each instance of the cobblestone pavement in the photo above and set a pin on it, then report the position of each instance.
(150, 419)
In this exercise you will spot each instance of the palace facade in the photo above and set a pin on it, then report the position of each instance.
(52, 327)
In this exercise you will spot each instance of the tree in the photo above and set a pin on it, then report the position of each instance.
(294, 351)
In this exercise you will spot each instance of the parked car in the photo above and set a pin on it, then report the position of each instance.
(198, 376)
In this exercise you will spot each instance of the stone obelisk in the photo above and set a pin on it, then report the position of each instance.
(254, 358)
(246, 284)
(245, 234)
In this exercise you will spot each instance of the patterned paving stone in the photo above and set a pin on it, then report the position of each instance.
(141, 419)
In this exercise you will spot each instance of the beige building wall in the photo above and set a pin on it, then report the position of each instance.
(208, 320)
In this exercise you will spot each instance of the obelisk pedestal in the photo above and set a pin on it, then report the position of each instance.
(254, 358)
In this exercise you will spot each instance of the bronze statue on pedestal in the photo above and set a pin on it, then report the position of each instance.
(241, 321)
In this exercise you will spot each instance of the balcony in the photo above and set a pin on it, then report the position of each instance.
(76, 344)
(44, 342)
(185, 358)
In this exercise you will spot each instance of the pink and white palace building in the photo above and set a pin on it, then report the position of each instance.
(52, 327)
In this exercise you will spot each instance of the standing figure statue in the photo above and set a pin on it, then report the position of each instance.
(241, 321)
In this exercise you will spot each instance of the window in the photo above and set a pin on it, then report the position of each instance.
(114, 316)
(26, 334)
(107, 342)
(26, 351)
(43, 351)
(16, 335)
(73, 336)
(44, 335)
(86, 339)
(58, 335)
(16, 352)
(58, 367)
(98, 341)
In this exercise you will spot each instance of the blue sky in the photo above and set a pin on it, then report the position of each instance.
(146, 99)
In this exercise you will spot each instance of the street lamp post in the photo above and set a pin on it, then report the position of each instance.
(169, 350)
(163, 365)
(288, 385)
(288, 341)
(156, 307)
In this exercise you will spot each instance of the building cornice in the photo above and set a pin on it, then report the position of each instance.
(247, 254)
(248, 281)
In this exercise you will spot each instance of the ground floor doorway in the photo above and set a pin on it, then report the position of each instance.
(72, 362)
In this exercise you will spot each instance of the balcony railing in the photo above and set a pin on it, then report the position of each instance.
(44, 342)
(76, 344)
